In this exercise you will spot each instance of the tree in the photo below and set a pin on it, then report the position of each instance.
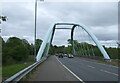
(27, 45)
(14, 51)
(69, 41)
(13, 41)
(31, 49)
(38, 44)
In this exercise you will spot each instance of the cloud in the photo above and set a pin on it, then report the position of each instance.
(106, 33)
(100, 17)
(89, 13)
(61, 37)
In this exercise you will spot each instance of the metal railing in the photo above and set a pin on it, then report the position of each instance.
(18, 76)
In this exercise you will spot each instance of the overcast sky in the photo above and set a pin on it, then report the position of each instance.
(100, 17)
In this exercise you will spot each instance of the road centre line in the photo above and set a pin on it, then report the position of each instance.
(82, 63)
(99, 63)
(109, 72)
(100, 69)
(77, 62)
(91, 66)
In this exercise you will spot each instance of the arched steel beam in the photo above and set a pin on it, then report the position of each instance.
(52, 30)
(72, 30)
(106, 56)
(43, 45)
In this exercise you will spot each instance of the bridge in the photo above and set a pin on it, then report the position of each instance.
(52, 68)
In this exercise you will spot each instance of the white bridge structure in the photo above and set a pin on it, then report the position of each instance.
(45, 46)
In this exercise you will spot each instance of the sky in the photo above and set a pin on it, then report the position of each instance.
(100, 17)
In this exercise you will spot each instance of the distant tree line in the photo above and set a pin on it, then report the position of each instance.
(16, 50)
(84, 49)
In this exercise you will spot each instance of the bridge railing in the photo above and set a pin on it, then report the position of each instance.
(25, 72)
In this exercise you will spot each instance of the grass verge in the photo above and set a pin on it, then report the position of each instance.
(9, 70)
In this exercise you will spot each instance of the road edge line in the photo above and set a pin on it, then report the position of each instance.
(70, 71)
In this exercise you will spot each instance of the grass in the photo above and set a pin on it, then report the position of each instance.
(9, 70)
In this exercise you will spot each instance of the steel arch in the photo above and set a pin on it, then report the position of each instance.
(50, 35)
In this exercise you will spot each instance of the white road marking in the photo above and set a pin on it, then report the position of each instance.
(70, 71)
(77, 62)
(91, 66)
(100, 63)
(109, 72)
(82, 64)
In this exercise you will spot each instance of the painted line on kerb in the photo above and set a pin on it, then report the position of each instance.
(70, 71)
(108, 72)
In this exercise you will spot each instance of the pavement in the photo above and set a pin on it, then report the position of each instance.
(74, 69)
(52, 70)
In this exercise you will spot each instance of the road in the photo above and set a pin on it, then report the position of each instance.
(75, 69)
(91, 71)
